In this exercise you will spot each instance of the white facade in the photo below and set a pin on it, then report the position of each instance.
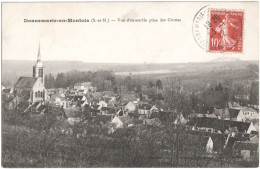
(209, 146)
(130, 107)
(249, 113)
(118, 122)
(38, 91)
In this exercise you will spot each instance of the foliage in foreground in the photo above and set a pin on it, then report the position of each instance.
(39, 143)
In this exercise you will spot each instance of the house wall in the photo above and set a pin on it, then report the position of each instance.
(142, 111)
(130, 107)
(78, 87)
(118, 122)
(209, 146)
(102, 104)
(240, 116)
(251, 128)
(250, 115)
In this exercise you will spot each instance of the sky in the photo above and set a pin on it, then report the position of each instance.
(116, 42)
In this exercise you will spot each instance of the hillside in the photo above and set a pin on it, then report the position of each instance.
(12, 70)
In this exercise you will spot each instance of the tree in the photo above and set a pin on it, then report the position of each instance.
(51, 81)
(219, 88)
(46, 82)
(151, 84)
(194, 100)
(115, 89)
(128, 82)
(159, 84)
(60, 81)
(254, 93)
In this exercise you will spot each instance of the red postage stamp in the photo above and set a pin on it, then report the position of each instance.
(226, 31)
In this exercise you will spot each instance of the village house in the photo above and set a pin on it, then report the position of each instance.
(122, 121)
(242, 97)
(180, 119)
(92, 110)
(130, 107)
(60, 100)
(83, 86)
(102, 103)
(250, 113)
(81, 92)
(236, 115)
(105, 110)
(50, 92)
(243, 113)
(121, 112)
(111, 101)
(222, 113)
(220, 126)
(147, 109)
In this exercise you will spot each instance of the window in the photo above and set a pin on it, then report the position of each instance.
(39, 94)
(35, 94)
(40, 73)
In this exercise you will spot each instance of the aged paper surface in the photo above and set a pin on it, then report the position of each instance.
(150, 40)
(130, 84)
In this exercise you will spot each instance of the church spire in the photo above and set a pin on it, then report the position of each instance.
(38, 67)
(39, 53)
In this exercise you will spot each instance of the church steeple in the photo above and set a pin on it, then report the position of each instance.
(38, 67)
(39, 53)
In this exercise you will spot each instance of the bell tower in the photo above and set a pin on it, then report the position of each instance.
(38, 67)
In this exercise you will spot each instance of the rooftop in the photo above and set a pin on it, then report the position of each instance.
(25, 82)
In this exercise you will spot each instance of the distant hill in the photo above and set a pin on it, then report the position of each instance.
(13, 69)
(225, 59)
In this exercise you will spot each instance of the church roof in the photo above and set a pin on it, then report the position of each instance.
(25, 82)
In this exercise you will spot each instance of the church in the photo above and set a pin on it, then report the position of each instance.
(33, 86)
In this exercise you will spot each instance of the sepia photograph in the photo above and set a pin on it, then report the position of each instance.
(130, 84)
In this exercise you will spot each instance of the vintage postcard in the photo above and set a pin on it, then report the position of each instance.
(130, 84)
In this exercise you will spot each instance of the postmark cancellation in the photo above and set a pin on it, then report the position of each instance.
(219, 30)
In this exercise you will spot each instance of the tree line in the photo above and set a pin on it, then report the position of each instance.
(102, 79)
